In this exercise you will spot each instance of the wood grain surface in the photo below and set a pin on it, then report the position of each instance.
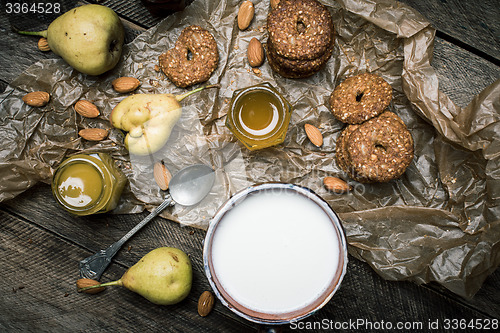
(40, 269)
(473, 25)
(40, 244)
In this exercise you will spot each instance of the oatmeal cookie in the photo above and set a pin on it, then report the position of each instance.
(193, 59)
(380, 149)
(360, 98)
(301, 29)
(341, 153)
(301, 38)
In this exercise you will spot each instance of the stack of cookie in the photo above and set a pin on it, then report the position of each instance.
(300, 39)
(376, 146)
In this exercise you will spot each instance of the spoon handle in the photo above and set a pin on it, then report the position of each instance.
(166, 203)
(93, 266)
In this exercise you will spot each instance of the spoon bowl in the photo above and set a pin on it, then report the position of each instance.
(188, 187)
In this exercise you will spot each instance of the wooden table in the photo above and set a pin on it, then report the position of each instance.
(40, 244)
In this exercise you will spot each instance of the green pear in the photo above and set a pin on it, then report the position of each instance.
(148, 119)
(163, 276)
(89, 38)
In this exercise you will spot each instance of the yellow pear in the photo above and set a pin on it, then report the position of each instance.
(148, 119)
(89, 38)
(163, 276)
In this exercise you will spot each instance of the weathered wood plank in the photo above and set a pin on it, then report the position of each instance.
(18, 52)
(461, 85)
(474, 23)
(462, 75)
(35, 232)
(59, 237)
(39, 271)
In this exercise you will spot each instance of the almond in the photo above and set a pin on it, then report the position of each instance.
(336, 185)
(314, 135)
(255, 53)
(36, 98)
(125, 84)
(206, 303)
(84, 283)
(43, 44)
(93, 134)
(274, 3)
(86, 109)
(161, 175)
(245, 14)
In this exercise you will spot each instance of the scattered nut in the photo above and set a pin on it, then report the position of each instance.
(206, 303)
(83, 283)
(245, 14)
(36, 98)
(255, 53)
(86, 109)
(93, 134)
(43, 44)
(161, 175)
(256, 71)
(314, 135)
(125, 84)
(336, 185)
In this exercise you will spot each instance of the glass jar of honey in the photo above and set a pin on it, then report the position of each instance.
(259, 116)
(88, 184)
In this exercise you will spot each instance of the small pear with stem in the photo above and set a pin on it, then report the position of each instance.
(163, 276)
(89, 38)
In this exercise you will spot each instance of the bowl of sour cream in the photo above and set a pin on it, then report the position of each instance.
(275, 253)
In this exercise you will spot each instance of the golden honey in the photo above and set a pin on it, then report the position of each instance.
(259, 116)
(80, 185)
(258, 112)
(88, 184)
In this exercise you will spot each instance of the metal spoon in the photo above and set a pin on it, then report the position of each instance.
(188, 187)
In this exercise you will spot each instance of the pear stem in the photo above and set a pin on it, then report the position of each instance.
(31, 33)
(112, 283)
(181, 97)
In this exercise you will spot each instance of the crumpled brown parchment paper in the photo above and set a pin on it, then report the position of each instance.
(439, 222)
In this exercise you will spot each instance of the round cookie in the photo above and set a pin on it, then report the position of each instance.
(380, 149)
(300, 30)
(341, 153)
(392, 116)
(193, 58)
(360, 98)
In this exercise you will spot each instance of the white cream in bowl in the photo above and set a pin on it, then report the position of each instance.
(275, 253)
